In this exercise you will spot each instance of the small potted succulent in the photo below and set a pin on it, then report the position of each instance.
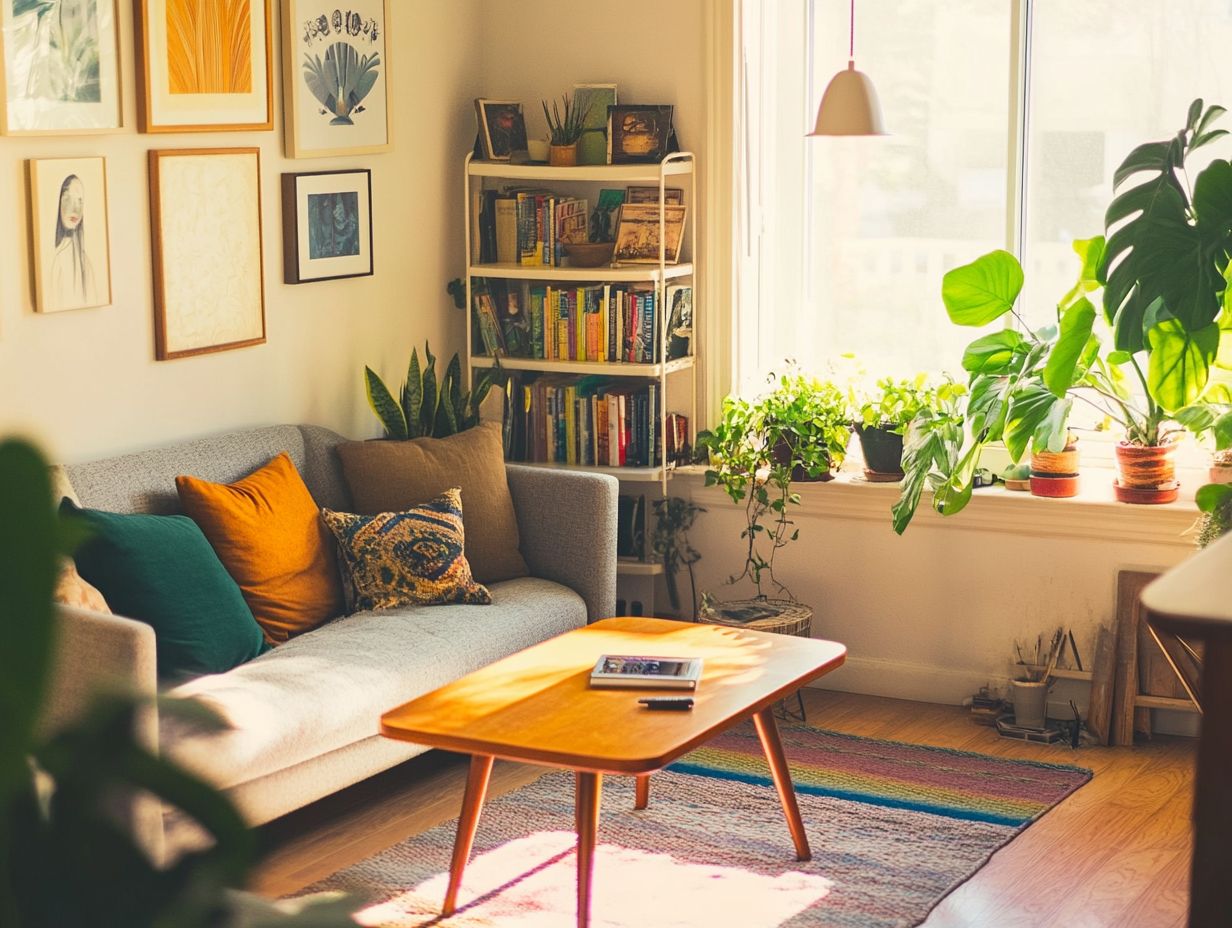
(881, 420)
(565, 129)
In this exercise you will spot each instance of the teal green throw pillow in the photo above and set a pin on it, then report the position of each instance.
(162, 571)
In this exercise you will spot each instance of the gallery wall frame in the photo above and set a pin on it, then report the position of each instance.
(204, 65)
(70, 241)
(49, 92)
(209, 286)
(326, 225)
(338, 96)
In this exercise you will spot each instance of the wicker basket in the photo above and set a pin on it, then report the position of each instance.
(781, 616)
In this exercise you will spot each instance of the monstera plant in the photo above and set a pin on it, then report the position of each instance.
(424, 408)
(342, 80)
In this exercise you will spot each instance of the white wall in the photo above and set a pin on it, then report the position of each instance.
(86, 382)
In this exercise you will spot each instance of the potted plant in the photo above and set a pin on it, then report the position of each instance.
(805, 424)
(674, 516)
(424, 408)
(1054, 474)
(881, 420)
(564, 130)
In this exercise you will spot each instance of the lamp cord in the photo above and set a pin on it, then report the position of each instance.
(851, 48)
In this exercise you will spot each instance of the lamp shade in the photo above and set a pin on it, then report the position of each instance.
(849, 106)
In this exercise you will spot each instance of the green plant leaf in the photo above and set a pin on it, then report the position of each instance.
(431, 395)
(1222, 430)
(1150, 156)
(993, 353)
(1180, 363)
(1029, 407)
(412, 397)
(383, 404)
(1211, 496)
(1077, 324)
(978, 293)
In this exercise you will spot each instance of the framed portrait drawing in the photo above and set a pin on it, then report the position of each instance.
(638, 133)
(502, 128)
(204, 65)
(205, 219)
(326, 225)
(336, 76)
(71, 247)
(61, 67)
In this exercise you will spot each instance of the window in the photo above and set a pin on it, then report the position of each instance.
(844, 241)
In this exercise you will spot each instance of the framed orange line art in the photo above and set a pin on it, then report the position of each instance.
(205, 218)
(204, 65)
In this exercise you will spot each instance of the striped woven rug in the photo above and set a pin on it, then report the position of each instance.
(893, 827)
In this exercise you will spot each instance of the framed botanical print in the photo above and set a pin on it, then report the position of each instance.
(61, 67)
(205, 215)
(72, 256)
(204, 65)
(336, 77)
(326, 225)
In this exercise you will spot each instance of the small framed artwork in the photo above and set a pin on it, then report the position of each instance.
(326, 225)
(338, 90)
(638, 133)
(637, 234)
(673, 195)
(205, 217)
(593, 100)
(71, 247)
(204, 66)
(502, 128)
(61, 66)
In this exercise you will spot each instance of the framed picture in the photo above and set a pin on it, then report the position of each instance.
(502, 128)
(61, 67)
(593, 100)
(205, 216)
(326, 225)
(71, 248)
(338, 91)
(638, 133)
(673, 195)
(637, 233)
(204, 66)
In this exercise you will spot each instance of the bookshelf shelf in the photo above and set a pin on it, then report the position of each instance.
(612, 174)
(631, 568)
(628, 273)
(585, 367)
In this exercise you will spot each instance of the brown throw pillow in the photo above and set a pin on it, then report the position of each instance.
(393, 476)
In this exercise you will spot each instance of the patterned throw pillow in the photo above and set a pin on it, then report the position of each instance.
(407, 558)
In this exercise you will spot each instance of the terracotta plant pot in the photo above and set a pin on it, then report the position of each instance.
(1221, 471)
(1146, 474)
(883, 453)
(1054, 474)
(562, 156)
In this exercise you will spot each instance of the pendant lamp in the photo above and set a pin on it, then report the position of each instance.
(849, 106)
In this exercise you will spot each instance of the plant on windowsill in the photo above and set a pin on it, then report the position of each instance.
(881, 419)
(797, 431)
(424, 408)
(64, 859)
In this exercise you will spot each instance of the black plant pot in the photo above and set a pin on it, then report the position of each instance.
(883, 451)
(781, 453)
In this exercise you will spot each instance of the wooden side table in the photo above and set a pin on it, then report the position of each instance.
(1195, 599)
(790, 618)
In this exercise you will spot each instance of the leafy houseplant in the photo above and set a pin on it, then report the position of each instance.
(798, 430)
(63, 858)
(882, 419)
(674, 516)
(564, 130)
(426, 410)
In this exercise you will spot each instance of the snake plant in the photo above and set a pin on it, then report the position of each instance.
(423, 408)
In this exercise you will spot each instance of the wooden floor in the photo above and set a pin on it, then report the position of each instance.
(1116, 853)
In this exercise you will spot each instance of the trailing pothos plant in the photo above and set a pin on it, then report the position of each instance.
(1163, 268)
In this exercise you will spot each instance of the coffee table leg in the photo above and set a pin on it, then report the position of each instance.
(642, 799)
(589, 791)
(768, 732)
(468, 821)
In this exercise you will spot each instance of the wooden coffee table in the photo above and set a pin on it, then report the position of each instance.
(537, 706)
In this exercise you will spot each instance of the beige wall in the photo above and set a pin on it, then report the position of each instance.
(85, 382)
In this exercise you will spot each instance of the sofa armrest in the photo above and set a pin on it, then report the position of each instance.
(567, 524)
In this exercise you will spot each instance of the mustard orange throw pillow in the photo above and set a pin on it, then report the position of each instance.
(267, 531)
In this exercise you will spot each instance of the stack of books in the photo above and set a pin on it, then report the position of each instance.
(527, 226)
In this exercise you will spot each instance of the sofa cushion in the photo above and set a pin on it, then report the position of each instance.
(390, 476)
(328, 688)
(407, 558)
(268, 533)
(162, 571)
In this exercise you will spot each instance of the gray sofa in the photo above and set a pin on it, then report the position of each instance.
(304, 716)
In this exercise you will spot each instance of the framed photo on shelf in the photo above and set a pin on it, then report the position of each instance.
(673, 195)
(637, 234)
(71, 247)
(638, 134)
(593, 100)
(209, 292)
(338, 91)
(326, 226)
(61, 65)
(502, 128)
(204, 67)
